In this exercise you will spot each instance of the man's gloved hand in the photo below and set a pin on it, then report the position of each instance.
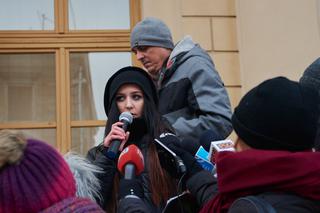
(174, 144)
(169, 138)
(189, 161)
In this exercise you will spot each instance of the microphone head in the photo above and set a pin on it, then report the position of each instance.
(126, 117)
(131, 154)
(207, 137)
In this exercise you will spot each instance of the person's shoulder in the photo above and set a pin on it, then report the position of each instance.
(94, 151)
(270, 202)
(198, 57)
(197, 52)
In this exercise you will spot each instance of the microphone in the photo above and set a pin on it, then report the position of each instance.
(126, 118)
(130, 162)
(169, 159)
(219, 146)
(199, 153)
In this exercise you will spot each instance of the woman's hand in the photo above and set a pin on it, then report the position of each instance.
(116, 133)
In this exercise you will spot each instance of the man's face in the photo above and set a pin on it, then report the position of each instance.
(151, 57)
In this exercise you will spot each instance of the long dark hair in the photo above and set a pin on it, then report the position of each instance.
(162, 185)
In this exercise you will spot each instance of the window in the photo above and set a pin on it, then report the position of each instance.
(55, 59)
(27, 87)
(27, 15)
(83, 15)
(89, 72)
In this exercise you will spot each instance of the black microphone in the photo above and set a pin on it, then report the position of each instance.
(169, 159)
(201, 155)
(126, 118)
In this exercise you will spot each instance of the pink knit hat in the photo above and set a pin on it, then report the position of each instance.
(33, 175)
(74, 205)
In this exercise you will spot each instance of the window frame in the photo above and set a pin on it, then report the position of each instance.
(61, 41)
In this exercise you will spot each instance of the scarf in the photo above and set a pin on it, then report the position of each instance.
(255, 171)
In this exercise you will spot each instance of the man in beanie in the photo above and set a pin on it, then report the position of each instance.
(34, 177)
(311, 78)
(192, 96)
(274, 165)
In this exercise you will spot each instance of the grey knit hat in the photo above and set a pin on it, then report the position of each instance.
(151, 32)
(311, 76)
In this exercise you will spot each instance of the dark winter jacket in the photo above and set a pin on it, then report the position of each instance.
(96, 156)
(192, 96)
(272, 202)
(132, 205)
(204, 187)
(281, 173)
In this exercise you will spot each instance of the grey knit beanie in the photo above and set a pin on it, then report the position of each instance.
(151, 32)
(311, 76)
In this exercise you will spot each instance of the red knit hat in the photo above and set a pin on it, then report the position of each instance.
(33, 175)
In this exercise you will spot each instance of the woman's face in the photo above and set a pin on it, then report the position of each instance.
(130, 98)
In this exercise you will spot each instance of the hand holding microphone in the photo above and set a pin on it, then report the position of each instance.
(130, 165)
(190, 161)
(199, 152)
(174, 144)
(117, 135)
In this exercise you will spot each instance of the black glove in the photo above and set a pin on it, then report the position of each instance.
(189, 161)
(174, 144)
(169, 138)
(130, 187)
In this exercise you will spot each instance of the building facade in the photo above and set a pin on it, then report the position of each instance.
(56, 55)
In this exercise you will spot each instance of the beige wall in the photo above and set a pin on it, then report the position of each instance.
(276, 37)
(166, 10)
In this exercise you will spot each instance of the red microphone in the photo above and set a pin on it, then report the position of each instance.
(130, 162)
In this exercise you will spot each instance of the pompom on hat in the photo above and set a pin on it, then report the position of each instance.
(278, 114)
(129, 75)
(33, 175)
